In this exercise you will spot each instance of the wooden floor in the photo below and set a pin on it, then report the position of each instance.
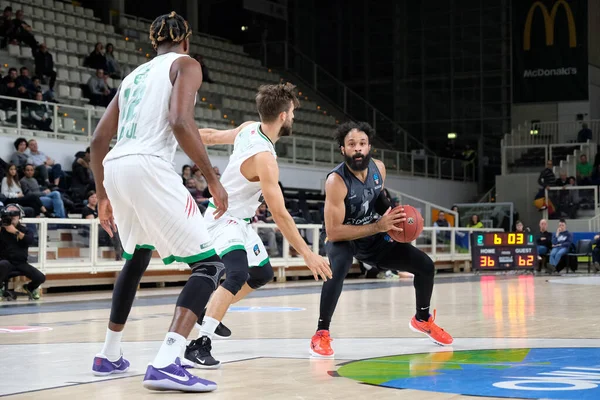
(527, 322)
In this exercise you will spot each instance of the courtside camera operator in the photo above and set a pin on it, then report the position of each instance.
(15, 240)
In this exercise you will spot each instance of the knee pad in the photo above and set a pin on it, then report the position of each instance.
(260, 276)
(211, 268)
(237, 270)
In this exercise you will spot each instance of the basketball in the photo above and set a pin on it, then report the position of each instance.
(412, 227)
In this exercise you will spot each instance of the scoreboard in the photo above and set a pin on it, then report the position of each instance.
(502, 251)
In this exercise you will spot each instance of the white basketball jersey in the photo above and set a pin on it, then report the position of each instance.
(245, 196)
(144, 99)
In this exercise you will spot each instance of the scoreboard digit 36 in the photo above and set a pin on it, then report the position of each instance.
(497, 251)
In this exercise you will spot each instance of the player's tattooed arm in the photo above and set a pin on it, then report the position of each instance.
(212, 137)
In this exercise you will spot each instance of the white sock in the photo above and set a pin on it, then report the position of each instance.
(209, 326)
(112, 345)
(172, 347)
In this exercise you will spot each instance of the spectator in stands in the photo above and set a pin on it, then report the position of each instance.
(15, 240)
(186, 173)
(267, 235)
(520, 228)
(48, 172)
(547, 177)
(8, 89)
(44, 65)
(11, 188)
(475, 222)
(48, 198)
(197, 193)
(101, 94)
(23, 94)
(544, 239)
(96, 59)
(22, 32)
(36, 86)
(19, 157)
(441, 222)
(584, 134)
(90, 211)
(584, 171)
(596, 254)
(82, 179)
(562, 179)
(6, 26)
(455, 209)
(113, 69)
(24, 80)
(205, 72)
(39, 114)
(561, 243)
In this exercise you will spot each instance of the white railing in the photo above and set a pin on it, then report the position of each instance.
(511, 153)
(420, 203)
(574, 201)
(78, 123)
(551, 132)
(90, 258)
(594, 224)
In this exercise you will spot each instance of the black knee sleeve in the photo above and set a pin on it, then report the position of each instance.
(236, 270)
(203, 281)
(211, 268)
(260, 276)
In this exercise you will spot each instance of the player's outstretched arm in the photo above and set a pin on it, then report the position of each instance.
(212, 137)
(99, 147)
(268, 173)
(335, 212)
(186, 75)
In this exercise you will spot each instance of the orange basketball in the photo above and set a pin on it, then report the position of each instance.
(413, 226)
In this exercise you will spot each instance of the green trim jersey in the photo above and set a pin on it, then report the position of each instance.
(144, 98)
(245, 196)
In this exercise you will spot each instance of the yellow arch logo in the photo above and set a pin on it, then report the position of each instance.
(549, 19)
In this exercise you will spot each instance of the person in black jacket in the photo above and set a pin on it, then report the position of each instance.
(15, 240)
(544, 239)
(44, 65)
(82, 178)
(547, 177)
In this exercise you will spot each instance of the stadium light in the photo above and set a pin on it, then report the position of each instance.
(452, 135)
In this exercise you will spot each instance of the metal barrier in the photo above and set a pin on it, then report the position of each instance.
(66, 248)
(573, 202)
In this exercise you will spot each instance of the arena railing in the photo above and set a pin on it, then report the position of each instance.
(512, 153)
(573, 202)
(550, 132)
(78, 123)
(72, 247)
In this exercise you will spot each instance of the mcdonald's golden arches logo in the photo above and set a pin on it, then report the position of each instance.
(549, 19)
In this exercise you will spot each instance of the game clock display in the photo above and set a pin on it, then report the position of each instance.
(501, 251)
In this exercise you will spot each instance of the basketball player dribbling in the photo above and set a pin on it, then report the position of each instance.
(252, 175)
(152, 112)
(353, 202)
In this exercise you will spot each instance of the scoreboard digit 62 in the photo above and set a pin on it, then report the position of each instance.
(501, 251)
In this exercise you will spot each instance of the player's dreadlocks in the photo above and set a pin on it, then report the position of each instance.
(169, 28)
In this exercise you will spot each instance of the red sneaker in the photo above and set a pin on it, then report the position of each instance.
(320, 345)
(430, 328)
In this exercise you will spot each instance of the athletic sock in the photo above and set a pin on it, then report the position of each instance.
(172, 347)
(198, 324)
(209, 326)
(112, 345)
(422, 314)
(323, 324)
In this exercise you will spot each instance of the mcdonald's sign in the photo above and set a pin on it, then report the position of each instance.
(550, 54)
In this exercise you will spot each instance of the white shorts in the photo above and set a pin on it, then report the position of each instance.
(153, 210)
(230, 233)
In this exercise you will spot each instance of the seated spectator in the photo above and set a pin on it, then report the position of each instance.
(6, 26)
(547, 177)
(11, 77)
(8, 87)
(441, 222)
(19, 157)
(113, 69)
(205, 72)
(90, 211)
(584, 171)
(196, 190)
(584, 134)
(475, 222)
(544, 239)
(24, 80)
(15, 240)
(48, 172)
(520, 228)
(186, 173)
(596, 254)
(96, 59)
(561, 244)
(23, 94)
(39, 114)
(48, 198)
(267, 235)
(11, 188)
(22, 32)
(101, 94)
(82, 179)
(44, 65)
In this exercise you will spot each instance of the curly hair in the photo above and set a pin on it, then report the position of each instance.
(342, 131)
(169, 28)
(272, 100)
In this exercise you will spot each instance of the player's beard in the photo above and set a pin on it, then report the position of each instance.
(358, 165)
(285, 130)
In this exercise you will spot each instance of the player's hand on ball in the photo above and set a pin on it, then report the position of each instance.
(105, 215)
(219, 197)
(390, 219)
(318, 266)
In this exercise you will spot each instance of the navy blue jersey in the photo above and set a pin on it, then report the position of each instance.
(361, 197)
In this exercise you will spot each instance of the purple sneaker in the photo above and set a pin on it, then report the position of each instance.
(102, 366)
(175, 377)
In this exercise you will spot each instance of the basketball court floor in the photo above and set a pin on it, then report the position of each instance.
(515, 337)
